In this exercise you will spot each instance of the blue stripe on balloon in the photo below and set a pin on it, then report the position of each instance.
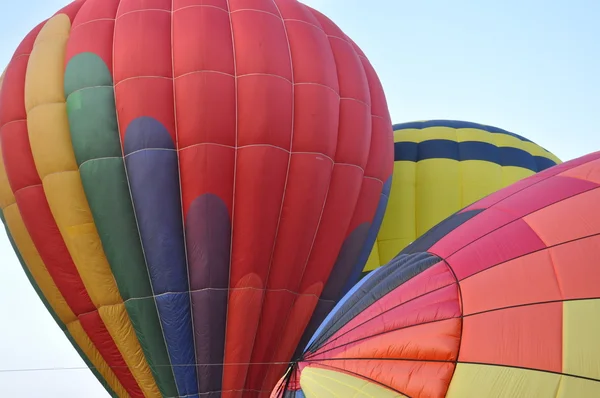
(174, 310)
(153, 172)
(469, 150)
(339, 305)
(371, 237)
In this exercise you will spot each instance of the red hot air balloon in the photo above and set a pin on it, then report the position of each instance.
(188, 182)
(499, 300)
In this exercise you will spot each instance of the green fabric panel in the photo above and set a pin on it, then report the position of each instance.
(105, 185)
(144, 316)
(86, 70)
(60, 323)
(96, 143)
(92, 114)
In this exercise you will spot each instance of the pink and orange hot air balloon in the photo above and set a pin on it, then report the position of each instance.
(189, 182)
(502, 299)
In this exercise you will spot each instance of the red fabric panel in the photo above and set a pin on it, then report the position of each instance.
(529, 336)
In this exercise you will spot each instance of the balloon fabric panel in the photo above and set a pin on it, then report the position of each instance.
(506, 304)
(192, 203)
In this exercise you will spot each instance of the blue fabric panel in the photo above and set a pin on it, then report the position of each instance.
(145, 133)
(371, 237)
(543, 163)
(174, 310)
(340, 304)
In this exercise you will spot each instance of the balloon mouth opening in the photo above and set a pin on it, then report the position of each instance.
(290, 381)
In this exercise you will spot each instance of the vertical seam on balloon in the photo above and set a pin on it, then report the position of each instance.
(187, 266)
(462, 321)
(301, 279)
(287, 178)
(235, 79)
(133, 202)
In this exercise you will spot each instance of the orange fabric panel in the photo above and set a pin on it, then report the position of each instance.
(510, 283)
(576, 265)
(436, 341)
(567, 220)
(528, 336)
(588, 171)
(416, 379)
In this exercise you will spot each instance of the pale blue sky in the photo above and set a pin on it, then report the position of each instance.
(528, 66)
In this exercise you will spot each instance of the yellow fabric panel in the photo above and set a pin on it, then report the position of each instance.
(399, 222)
(573, 387)
(511, 174)
(86, 345)
(117, 322)
(420, 135)
(55, 161)
(373, 260)
(487, 381)
(484, 178)
(46, 63)
(389, 249)
(581, 328)
(438, 192)
(319, 383)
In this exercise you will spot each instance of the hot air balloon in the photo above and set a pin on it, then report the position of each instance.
(442, 166)
(187, 182)
(499, 300)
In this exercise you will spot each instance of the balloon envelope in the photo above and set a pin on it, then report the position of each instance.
(499, 300)
(187, 183)
(442, 166)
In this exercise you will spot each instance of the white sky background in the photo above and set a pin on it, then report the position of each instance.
(529, 67)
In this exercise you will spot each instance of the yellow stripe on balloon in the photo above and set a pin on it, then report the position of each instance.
(478, 381)
(54, 158)
(318, 382)
(581, 328)
(39, 272)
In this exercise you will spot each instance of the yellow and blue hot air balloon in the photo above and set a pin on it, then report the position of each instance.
(442, 166)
